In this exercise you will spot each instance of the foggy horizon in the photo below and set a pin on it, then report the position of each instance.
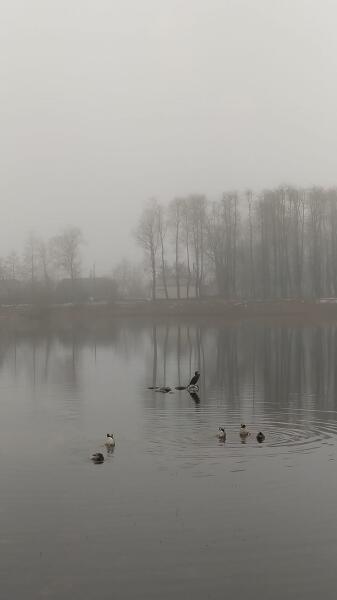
(105, 106)
(168, 299)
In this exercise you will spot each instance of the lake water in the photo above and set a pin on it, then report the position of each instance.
(172, 512)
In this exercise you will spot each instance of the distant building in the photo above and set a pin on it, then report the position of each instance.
(12, 291)
(172, 288)
(208, 289)
(86, 289)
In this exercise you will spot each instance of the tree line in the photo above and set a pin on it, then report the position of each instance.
(46, 271)
(51, 270)
(42, 259)
(281, 243)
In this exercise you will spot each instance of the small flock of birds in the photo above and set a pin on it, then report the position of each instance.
(193, 388)
(110, 443)
(244, 434)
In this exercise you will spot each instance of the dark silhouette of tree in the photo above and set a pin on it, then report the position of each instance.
(147, 236)
(66, 251)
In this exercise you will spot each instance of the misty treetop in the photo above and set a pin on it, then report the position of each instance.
(50, 271)
(281, 243)
(33, 276)
(43, 260)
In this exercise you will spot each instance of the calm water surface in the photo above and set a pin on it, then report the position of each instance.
(172, 512)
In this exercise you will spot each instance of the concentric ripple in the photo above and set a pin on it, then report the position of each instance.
(303, 431)
(191, 434)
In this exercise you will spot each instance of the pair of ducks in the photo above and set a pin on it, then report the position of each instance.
(244, 433)
(110, 443)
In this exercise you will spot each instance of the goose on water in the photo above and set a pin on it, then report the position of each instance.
(110, 440)
(244, 433)
(221, 434)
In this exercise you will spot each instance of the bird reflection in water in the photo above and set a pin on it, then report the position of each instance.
(194, 397)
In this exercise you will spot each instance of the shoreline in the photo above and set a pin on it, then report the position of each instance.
(214, 309)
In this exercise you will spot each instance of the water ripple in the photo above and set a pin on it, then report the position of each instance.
(192, 435)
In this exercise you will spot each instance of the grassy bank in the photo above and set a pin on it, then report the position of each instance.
(99, 315)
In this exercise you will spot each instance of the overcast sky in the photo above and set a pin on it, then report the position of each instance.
(105, 103)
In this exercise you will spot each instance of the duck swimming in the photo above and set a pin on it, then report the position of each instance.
(221, 434)
(97, 457)
(244, 433)
(260, 437)
(110, 440)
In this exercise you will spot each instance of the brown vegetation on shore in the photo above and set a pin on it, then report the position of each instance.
(99, 315)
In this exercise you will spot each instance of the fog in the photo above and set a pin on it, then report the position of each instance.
(106, 104)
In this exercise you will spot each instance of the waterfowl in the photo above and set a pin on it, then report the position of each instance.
(243, 431)
(164, 390)
(110, 440)
(221, 434)
(194, 379)
(260, 437)
(97, 457)
(192, 386)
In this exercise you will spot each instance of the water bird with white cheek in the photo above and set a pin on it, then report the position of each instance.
(244, 433)
(110, 440)
(221, 434)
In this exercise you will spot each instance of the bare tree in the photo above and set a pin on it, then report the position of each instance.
(44, 251)
(130, 279)
(147, 236)
(30, 259)
(176, 209)
(3, 269)
(186, 227)
(223, 234)
(251, 246)
(331, 248)
(13, 266)
(162, 228)
(316, 218)
(197, 214)
(66, 251)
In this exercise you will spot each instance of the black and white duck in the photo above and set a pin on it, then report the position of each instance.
(221, 434)
(244, 433)
(110, 440)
